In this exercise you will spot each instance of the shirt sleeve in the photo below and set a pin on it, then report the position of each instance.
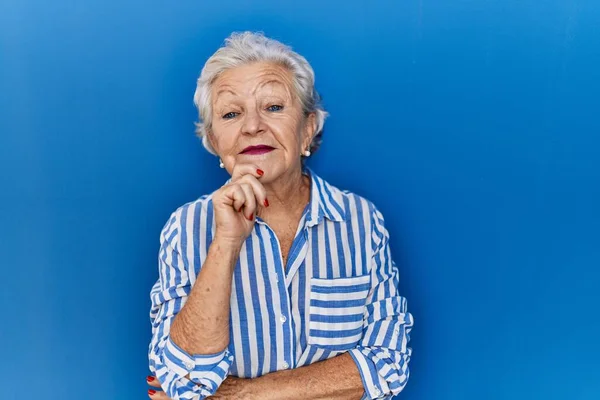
(382, 355)
(181, 375)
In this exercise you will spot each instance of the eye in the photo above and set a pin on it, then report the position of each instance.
(275, 107)
(230, 115)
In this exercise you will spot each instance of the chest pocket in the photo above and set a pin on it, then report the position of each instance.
(336, 311)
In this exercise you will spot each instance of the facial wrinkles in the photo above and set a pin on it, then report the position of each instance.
(236, 86)
(241, 91)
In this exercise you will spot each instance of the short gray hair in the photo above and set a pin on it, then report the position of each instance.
(248, 47)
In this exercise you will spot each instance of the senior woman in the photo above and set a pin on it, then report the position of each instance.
(278, 285)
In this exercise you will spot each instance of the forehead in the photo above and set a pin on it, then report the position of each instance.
(246, 80)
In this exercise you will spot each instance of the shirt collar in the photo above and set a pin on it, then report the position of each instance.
(324, 200)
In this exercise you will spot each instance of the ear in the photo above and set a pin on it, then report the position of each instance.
(310, 128)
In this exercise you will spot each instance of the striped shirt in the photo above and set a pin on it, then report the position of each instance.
(337, 293)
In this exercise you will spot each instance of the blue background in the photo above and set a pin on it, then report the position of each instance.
(474, 126)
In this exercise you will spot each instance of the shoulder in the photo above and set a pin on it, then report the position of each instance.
(359, 211)
(354, 205)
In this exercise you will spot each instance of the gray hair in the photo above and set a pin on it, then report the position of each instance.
(248, 47)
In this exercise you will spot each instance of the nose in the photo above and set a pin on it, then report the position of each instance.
(253, 122)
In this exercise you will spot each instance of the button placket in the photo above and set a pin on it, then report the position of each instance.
(281, 286)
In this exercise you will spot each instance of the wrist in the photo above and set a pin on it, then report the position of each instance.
(227, 243)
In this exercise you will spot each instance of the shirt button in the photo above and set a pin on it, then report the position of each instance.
(189, 366)
(377, 392)
(285, 365)
(276, 278)
(283, 319)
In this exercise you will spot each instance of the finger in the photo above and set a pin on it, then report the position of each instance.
(157, 395)
(245, 169)
(259, 191)
(250, 204)
(235, 196)
(152, 381)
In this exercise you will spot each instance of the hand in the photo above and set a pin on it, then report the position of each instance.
(155, 392)
(236, 203)
(232, 388)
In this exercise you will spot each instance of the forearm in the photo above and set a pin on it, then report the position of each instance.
(337, 378)
(202, 325)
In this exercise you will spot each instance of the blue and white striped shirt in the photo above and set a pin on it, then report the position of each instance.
(337, 293)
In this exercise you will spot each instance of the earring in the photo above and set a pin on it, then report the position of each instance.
(307, 153)
(221, 165)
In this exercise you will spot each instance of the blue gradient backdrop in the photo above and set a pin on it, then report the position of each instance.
(474, 126)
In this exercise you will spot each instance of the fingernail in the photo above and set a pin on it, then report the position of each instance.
(150, 378)
(266, 203)
(260, 172)
(151, 392)
(251, 217)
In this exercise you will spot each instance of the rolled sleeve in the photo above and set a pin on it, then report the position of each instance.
(382, 356)
(181, 375)
(199, 375)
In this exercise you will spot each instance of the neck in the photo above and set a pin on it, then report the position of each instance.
(286, 194)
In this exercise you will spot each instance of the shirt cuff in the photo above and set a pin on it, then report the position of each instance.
(207, 370)
(375, 386)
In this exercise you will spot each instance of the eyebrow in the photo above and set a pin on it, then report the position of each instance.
(228, 89)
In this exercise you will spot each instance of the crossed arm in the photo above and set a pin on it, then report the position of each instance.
(337, 378)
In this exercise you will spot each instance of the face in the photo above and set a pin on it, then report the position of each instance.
(255, 105)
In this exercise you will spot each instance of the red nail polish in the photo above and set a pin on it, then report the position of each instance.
(266, 203)
(150, 378)
(260, 172)
(251, 217)
(151, 392)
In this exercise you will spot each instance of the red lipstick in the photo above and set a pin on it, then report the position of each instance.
(258, 149)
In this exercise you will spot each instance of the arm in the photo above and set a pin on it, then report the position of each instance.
(190, 327)
(336, 378)
(382, 355)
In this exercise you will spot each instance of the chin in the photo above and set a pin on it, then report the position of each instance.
(271, 172)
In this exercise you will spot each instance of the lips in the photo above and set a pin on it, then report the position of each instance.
(259, 149)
